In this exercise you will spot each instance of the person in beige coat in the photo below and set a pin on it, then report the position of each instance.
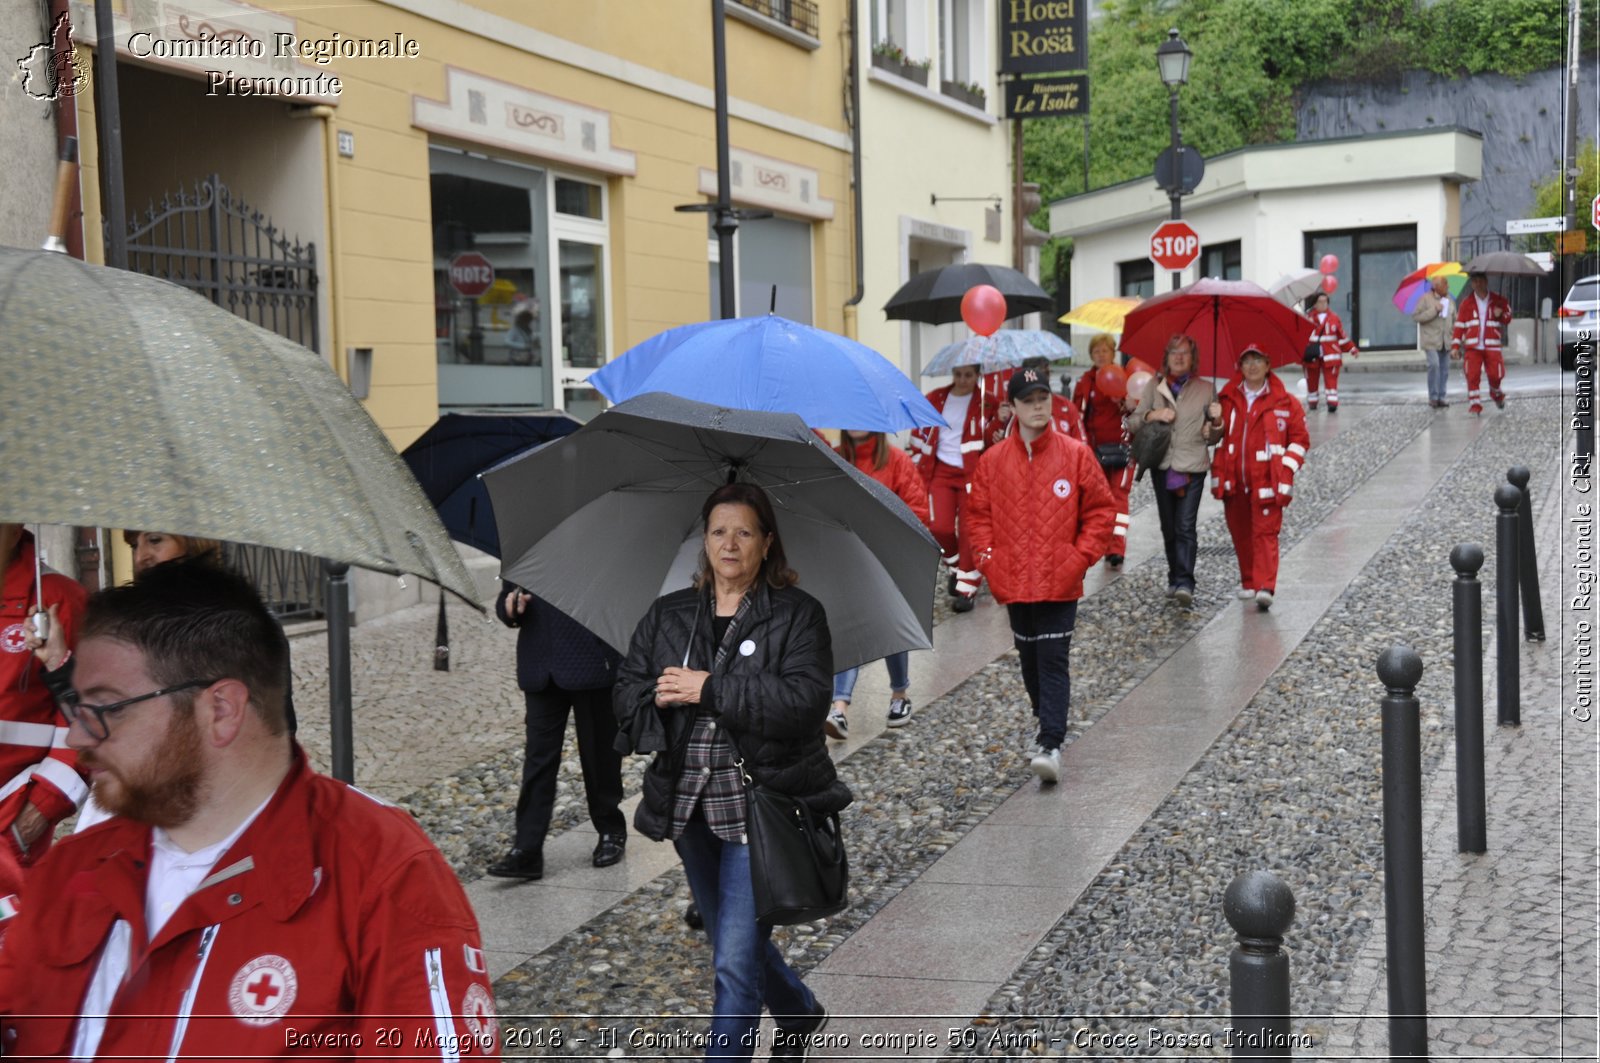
(1432, 315)
(1179, 396)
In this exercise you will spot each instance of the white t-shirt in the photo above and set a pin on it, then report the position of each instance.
(1250, 397)
(955, 418)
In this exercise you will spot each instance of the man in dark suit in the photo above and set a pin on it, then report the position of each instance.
(562, 666)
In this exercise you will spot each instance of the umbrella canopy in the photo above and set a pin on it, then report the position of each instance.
(447, 458)
(1102, 315)
(1296, 286)
(134, 403)
(934, 297)
(1223, 317)
(603, 522)
(1414, 284)
(1505, 262)
(1006, 349)
(772, 363)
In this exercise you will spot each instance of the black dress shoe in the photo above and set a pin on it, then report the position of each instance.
(526, 864)
(1114, 560)
(609, 849)
(963, 603)
(691, 915)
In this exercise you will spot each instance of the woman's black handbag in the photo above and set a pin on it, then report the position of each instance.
(1150, 445)
(1313, 353)
(1113, 455)
(798, 869)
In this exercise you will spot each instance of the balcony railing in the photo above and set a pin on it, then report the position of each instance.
(796, 14)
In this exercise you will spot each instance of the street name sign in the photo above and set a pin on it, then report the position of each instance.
(1535, 225)
(1174, 246)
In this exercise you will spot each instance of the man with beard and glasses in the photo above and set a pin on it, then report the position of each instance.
(239, 904)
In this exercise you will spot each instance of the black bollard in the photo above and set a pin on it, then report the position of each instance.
(1400, 669)
(1527, 558)
(1260, 908)
(1507, 655)
(1466, 599)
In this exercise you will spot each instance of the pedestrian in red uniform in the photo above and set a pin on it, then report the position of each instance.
(1107, 432)
(947, 458)
(1329, 336)
(40, 783)
(871, 453)
(1263, 444)
(1479, 334)
(239, 905)
(1040, 515)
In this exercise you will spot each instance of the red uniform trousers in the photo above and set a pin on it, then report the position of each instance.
(1477, 360)
(1255, 529)
(1121, 483)
(1319, 371)
(947, 493)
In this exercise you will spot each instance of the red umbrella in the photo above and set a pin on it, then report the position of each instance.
(1224, 317)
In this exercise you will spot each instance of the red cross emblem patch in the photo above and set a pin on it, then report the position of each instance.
(263, 990)
(14, 639)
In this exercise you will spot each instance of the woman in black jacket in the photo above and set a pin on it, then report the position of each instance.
(737, 668)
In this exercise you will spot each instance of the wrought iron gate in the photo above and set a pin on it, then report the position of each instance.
(212, 243)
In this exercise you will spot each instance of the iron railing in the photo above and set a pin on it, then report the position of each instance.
(796, 14)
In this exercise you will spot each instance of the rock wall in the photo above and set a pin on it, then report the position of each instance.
(1520, 119)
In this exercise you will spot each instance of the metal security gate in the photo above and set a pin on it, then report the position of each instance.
(214, 244)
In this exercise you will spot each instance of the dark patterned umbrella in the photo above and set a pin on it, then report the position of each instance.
(133, 403)
(935, 296)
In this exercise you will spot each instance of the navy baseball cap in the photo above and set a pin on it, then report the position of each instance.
(1026, 381)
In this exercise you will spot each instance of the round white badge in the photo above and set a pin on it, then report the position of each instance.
(746, 648)
(1062, 488)
(477, 1011)
(263, 990)
(14, 639)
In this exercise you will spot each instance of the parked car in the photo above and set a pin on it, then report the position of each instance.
(1579, 319)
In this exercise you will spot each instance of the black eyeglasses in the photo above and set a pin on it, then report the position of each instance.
(100, 727)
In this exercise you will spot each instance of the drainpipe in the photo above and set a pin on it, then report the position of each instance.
(851, 326)
(328, 283)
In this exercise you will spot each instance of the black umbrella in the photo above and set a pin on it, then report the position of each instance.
(1504, 262)
(601, 523)
(447, 458)
(934, 297)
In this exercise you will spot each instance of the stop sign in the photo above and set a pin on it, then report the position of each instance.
(1594, 212)
(471, 274)
(1174, 245)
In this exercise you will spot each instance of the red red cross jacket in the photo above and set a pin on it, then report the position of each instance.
(899, 475)
(1040, 514)
(1475, 331)
(35, 764)
(1328, 330)
(981, 413)
(331, 929)
(1263, 446)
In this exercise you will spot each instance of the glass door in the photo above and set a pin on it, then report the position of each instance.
(1371, 263)
(584, 337)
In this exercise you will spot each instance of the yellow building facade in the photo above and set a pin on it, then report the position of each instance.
(488, 191)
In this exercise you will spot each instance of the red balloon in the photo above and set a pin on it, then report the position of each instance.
(1137, 382)
(1139, 365)
(1329, 264)
(983, 308)
(1111, 381)
(1329, 283)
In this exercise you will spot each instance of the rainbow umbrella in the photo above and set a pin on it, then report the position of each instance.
(1413, 284)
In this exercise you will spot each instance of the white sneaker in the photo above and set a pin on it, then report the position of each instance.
(1245, 594)
(1047, 765)
(1263, 600)
(837, 725)
(899, 712)
(1183, 596)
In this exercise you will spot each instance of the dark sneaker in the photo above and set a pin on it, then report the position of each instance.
(837, 725)
(692, 916)
(798, 1042)
(526, 864)
(1114, 560)
(899, 712)
(963, 603)
(1333, 407)
(1499, 401)
(609, 850)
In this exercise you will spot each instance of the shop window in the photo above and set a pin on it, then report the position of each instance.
(1371, 265)
(1137, 277)
(1223, 261)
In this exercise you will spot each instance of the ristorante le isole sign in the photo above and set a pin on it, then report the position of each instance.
(1043, 36)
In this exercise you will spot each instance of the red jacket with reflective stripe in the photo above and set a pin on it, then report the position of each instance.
(35, 763)
(331, 922)
(981, 412)
(1262, 447)
(1039, 515)
(1328, 331)
(1479, 333)
(899, 476)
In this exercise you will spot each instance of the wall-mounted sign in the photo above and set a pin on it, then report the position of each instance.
(1043, 36)
(1047, 97)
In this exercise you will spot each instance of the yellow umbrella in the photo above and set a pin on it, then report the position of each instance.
(1105, 315)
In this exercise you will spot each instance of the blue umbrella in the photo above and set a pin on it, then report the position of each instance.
(774, 364)
(447, 458)
(1006, 349)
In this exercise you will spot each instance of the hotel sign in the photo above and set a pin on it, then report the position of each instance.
(1047, 97)
(1043, 36)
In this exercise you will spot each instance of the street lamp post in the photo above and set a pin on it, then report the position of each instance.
(1172, 59)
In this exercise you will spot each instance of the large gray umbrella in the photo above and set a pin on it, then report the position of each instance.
(1504, 262)
(606, 520)
(131, 402)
